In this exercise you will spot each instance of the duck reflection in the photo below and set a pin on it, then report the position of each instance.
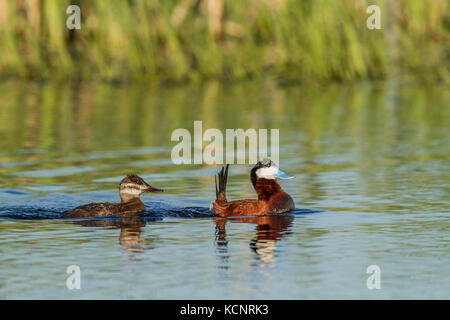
(130, 225)
(269, 229)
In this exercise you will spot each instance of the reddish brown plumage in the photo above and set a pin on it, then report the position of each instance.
(271, 199)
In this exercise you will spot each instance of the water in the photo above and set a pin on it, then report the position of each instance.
(372, 186)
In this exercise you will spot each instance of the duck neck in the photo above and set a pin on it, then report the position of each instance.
(266, 188)
(127, 197)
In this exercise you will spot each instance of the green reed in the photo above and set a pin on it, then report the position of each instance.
(188, 40)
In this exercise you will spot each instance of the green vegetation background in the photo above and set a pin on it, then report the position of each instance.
(192, 40)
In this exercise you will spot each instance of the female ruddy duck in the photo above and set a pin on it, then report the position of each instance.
(130, 188)
(271, 198)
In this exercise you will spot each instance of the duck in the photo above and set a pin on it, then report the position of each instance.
(272, 199)
(130, 188)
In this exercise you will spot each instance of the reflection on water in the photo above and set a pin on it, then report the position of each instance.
(370, 159)
(130, 227)
(269, 229)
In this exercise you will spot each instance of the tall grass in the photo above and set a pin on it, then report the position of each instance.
(181, 40)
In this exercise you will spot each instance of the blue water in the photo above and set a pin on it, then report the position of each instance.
(372, 186)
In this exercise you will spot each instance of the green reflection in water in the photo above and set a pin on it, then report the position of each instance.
(373, 155)
(388, 135)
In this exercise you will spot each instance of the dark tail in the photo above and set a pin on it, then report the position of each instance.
(222, 176)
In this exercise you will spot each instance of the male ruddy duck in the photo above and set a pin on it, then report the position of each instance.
(271, 198)
(130, 188)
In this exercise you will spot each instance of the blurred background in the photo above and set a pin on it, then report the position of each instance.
(364, 119)
(192, 40)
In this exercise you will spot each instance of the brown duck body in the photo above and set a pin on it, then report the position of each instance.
(105, 209)
(271, 199)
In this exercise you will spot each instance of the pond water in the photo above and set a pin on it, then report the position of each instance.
(372, 170)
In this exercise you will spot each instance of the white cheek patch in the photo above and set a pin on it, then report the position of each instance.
(267, 172)
(133, 190)
(134, 186)
(130, 185)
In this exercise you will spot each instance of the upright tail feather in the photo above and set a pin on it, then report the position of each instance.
(222, 177)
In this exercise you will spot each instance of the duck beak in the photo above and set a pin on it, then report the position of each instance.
(282, 175)
(151, 189)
